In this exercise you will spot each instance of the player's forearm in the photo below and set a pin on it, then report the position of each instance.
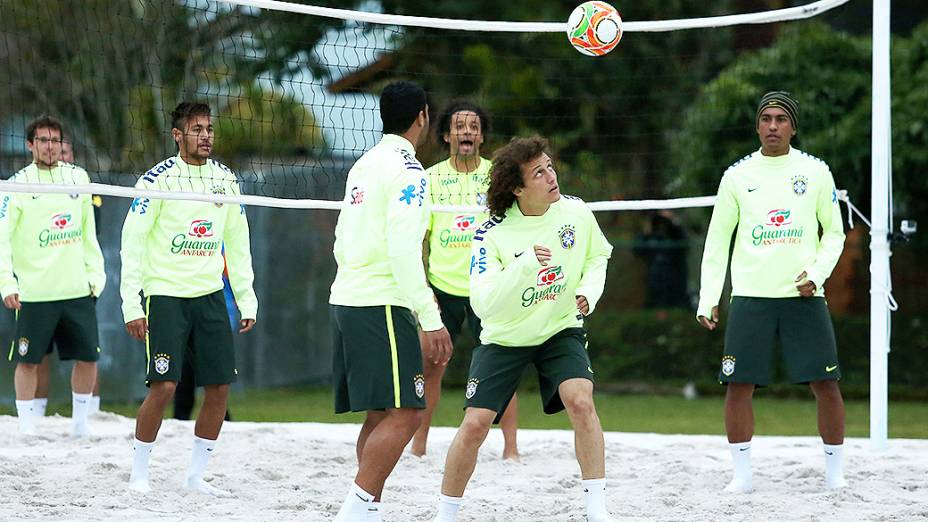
(829, 251)
(241, 279)
(593, 280)
(410, 279)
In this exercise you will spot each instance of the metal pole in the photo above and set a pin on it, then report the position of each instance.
(880, 282)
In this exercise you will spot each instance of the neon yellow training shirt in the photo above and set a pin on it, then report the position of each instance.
(378, 237)
(519, 301)
(174, 248)
(777, 204)
(451, 233)
(48, 242)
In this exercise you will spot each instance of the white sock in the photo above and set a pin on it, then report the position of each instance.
(138, 480)
(202, 450)
(39, 405)
(448, 508)
(80, 407)
(356, 504)
(374, 514)
(595, 490)
(741, 458)
(25, 410)
(834, 468)
(95, 404)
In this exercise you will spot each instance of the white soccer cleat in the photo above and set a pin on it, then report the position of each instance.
(139, 485)
(739, 486)
(198, 484)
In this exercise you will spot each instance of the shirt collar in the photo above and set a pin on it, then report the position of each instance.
(398, 141)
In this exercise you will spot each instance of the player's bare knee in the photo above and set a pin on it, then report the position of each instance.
(474, 430)
(162, 391)
(216, 392)
(580, 405)
(826, 389)
(27, 367)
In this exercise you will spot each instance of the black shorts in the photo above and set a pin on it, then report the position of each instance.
(455, 310)
(377, 360)
(189, 327)
(495, 371)
(71, 324)
(804, 330)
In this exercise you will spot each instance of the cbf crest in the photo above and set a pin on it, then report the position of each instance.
(23, 346)
(162, 363)
(219, 191)
(800, 184)
(419, 381)
(728, 365)
(471, 388)
(568, 236)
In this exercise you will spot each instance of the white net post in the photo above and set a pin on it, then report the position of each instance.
(880, 281)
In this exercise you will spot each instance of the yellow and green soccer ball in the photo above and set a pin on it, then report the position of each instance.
(594, 28)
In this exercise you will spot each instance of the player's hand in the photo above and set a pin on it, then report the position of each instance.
(542, 254)
(806, 288)
(12, 302)
(438, 346)
(707, 323)
(247, 324)
(583, 305)
(138, 328)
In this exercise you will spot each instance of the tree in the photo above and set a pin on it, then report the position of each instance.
(112, 70)
(835, 105)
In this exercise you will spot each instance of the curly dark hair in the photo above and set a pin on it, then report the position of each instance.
(444, 119)
(43, 122)
(506, 173)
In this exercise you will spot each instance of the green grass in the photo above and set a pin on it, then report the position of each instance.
(630, 413)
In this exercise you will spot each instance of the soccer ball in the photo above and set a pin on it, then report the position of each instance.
(594, 28)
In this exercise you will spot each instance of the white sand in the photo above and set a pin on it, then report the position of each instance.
(301, 471)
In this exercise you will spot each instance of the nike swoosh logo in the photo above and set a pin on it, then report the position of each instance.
(829, 453)
(753, 189)
(519, 254)
(830, 369)
(745, 449)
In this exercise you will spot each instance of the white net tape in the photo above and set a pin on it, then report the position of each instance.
(778, 15)
(320, 204)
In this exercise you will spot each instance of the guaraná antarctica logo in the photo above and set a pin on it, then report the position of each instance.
(550, 283)
(461, 232)
(61, 232)
(777, 229)
(419, 382)
(199, 230)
